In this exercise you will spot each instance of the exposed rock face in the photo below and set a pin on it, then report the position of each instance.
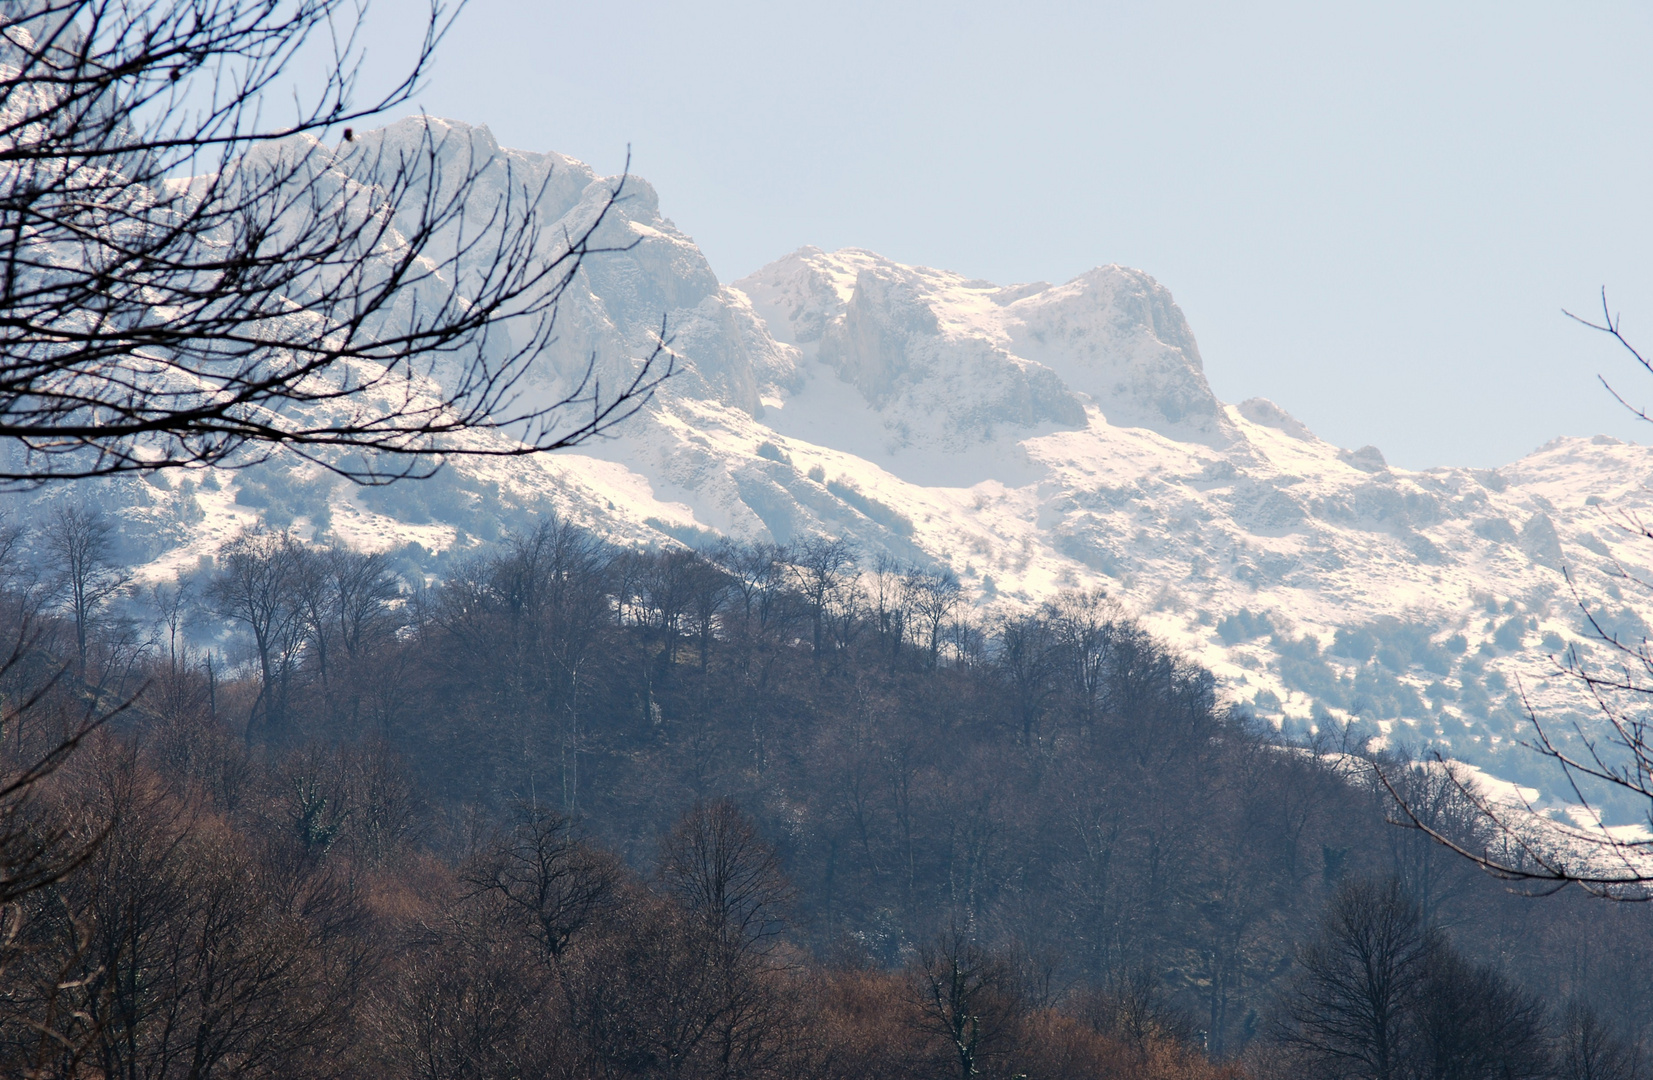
(1265, 412)
(1366, 459)
(1116, 334)
(869, 340)
(901, 336)
(1032, 353)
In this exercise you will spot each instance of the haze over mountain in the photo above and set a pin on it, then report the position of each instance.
(1031, 438)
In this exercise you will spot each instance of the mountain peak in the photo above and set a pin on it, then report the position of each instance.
(1116, 334)
(1030, 438)
(1112, 336)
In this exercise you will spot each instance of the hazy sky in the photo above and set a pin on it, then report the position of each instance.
(1373, 216)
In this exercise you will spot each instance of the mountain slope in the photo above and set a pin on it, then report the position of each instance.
(1031, 438)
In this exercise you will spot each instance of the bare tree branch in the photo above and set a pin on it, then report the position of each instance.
(185, 283)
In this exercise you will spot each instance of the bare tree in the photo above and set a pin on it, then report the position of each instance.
(348, 303)
(551, 882)
(1088, 625)
(966, 999)
(709, 591)
(1380, 994)
(175, 688)
(346, 601)
(1472, 1023)
(663, 590)
(887, 607)
(728, 883)
(754, 574)
(41, 845)
(1589, 1050)
(932, 596)
(723, 873)
(1430, 874)
(188, 954)
(1350, 1010)
(1028, 655)
(80, 543)
(32, 856)
(259, 585)
(822, 568)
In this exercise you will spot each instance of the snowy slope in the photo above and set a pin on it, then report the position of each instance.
(1032, 438)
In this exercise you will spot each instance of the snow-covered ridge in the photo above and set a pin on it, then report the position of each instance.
(1032, 438)
(971, 357)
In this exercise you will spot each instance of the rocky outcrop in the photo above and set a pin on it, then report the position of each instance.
(1115, 334)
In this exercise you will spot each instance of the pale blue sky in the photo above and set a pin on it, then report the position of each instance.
(1371, 214)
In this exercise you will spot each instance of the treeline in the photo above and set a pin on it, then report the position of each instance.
(1052, 799)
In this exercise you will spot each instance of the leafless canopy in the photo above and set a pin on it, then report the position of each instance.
(187, 279)
(32, 857)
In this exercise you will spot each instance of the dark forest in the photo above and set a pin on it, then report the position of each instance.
(582, 810)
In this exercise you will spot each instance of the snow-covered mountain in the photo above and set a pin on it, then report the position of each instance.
(1031, 438)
